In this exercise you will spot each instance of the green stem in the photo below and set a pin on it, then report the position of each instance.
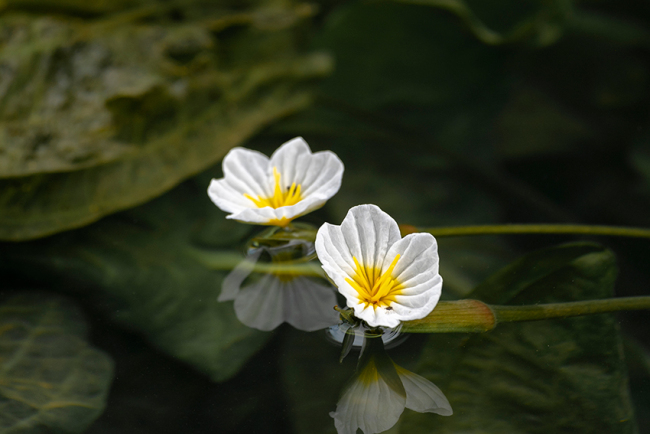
(473, 316)
(537, 229)
(564, 310)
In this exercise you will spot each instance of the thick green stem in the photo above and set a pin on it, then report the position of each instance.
(533, 229)
(473, 316)
(462, 316)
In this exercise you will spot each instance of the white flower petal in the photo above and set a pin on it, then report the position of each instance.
(419, 306)
(377, 316)
(418, 254)
(289, 160)
(369, 232)
(417, 272)
(320, 174)
(333, 252)
(372, 406)
(247, 171)
(422, 395)
(268, 215)
(226, 197)
(260, 216)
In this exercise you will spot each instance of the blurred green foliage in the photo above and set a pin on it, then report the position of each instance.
(445, 112)
(101, 115)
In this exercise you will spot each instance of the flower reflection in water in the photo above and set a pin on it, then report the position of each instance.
(380, 390)
(265, 300)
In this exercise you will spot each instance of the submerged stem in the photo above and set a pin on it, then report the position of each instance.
(537, 229)
(564, 310)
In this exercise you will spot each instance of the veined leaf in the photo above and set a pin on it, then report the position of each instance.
(51, 380)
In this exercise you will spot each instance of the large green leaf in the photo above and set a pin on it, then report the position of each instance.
(51, 380)
(538, 377)
(102, 115)
(142, 260)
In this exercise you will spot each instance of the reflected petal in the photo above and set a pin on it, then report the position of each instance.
(379, 392)
(310, 305)
(233, 281)
(260, 306)
(368, 403)
(301, 302)
(422, 395)
(275, 298)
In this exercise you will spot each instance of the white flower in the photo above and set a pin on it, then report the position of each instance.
(293, 182)
(378, 394)
(386, 279)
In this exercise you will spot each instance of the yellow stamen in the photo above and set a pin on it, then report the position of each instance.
(280, 198)
(374, 288)
(279, 222)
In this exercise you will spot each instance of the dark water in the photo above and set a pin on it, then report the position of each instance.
(114, 117)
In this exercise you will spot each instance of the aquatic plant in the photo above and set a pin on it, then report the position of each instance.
(292, 183)
(385, 278)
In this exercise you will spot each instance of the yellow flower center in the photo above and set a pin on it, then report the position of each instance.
(375, 289)
(286, 197)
